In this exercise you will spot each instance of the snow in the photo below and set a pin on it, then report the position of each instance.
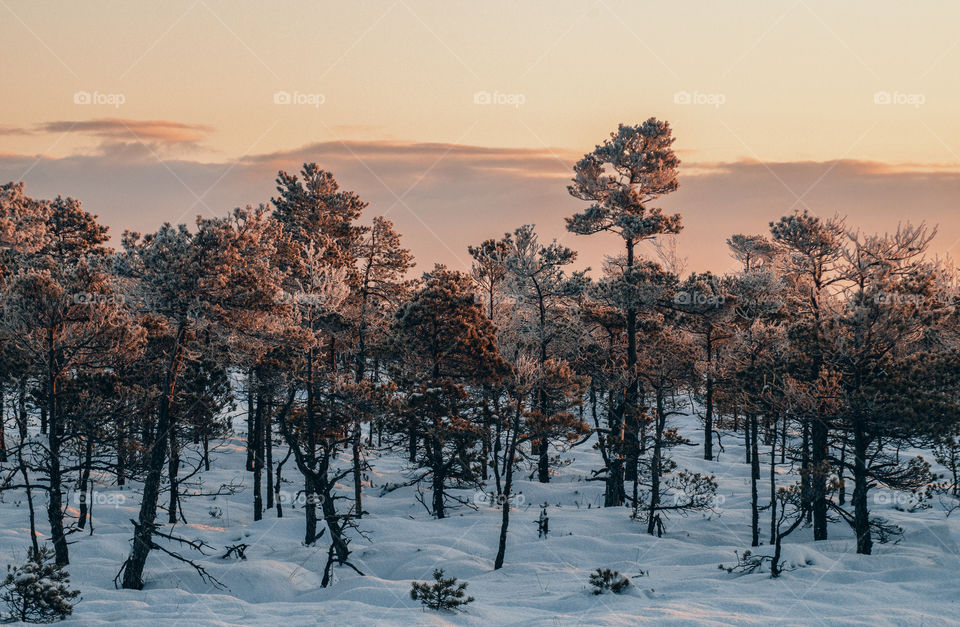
(544, 581)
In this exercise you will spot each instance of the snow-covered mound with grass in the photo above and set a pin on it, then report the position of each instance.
(675, 579)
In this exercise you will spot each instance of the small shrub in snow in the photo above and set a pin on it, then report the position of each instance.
(604, 579)
(747, 563)
(443, 594)
(37, 591)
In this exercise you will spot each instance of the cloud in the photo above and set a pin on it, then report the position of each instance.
(125, 134)
(444, 197)
(7, 130)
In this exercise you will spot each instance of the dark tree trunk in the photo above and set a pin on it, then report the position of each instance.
(357, 468)
(121, 444)
(861, 514)
(708, 418)
(157, 449)
(55, 501)
(250, 420)
(842, 490)
(3, 429)
(754, 476)
(805, 470)
(655, 464)
(819, 478)
(258, 458)
(268, 447)
(507, 486)
(439, 477)
(310, 532)
(33, 511)
(85, 482)
(23, 419)
(613, 490)
(173, 471)
(632, 396)
(773, 486)
(543, 460)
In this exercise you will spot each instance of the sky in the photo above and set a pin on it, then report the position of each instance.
(461, 120)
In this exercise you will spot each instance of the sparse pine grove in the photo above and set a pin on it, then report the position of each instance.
(827, 354)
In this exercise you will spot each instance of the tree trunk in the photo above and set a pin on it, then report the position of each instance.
(805, 470)
(819, 478)
(33, 511)
(357, 474)
(507, 486)
(143, 531)
(754, 475)
(85, 482)
(173, 470)
(3, 429)
(439, 477)
(22, 419)
(655, 463)
(258, 459)
(773, 487)
(708, 418)
(632, 395)
(310, 531)
(250, 420)
(613, 489)
(55, 501)
(861, 514)
(413, 444)
(268, 447)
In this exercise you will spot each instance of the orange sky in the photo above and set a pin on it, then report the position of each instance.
(448, 115)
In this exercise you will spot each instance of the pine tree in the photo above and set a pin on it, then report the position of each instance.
(38, 591)
(443, 594)
(449, 350)
(543, 293)
(61, 316)
(812, 251)
(620, 179)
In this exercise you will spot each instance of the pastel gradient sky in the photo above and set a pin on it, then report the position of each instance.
(840, 107)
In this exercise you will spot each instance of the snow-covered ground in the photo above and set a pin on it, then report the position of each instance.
(544, 581)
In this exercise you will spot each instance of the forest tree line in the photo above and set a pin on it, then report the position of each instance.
(826, 353)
